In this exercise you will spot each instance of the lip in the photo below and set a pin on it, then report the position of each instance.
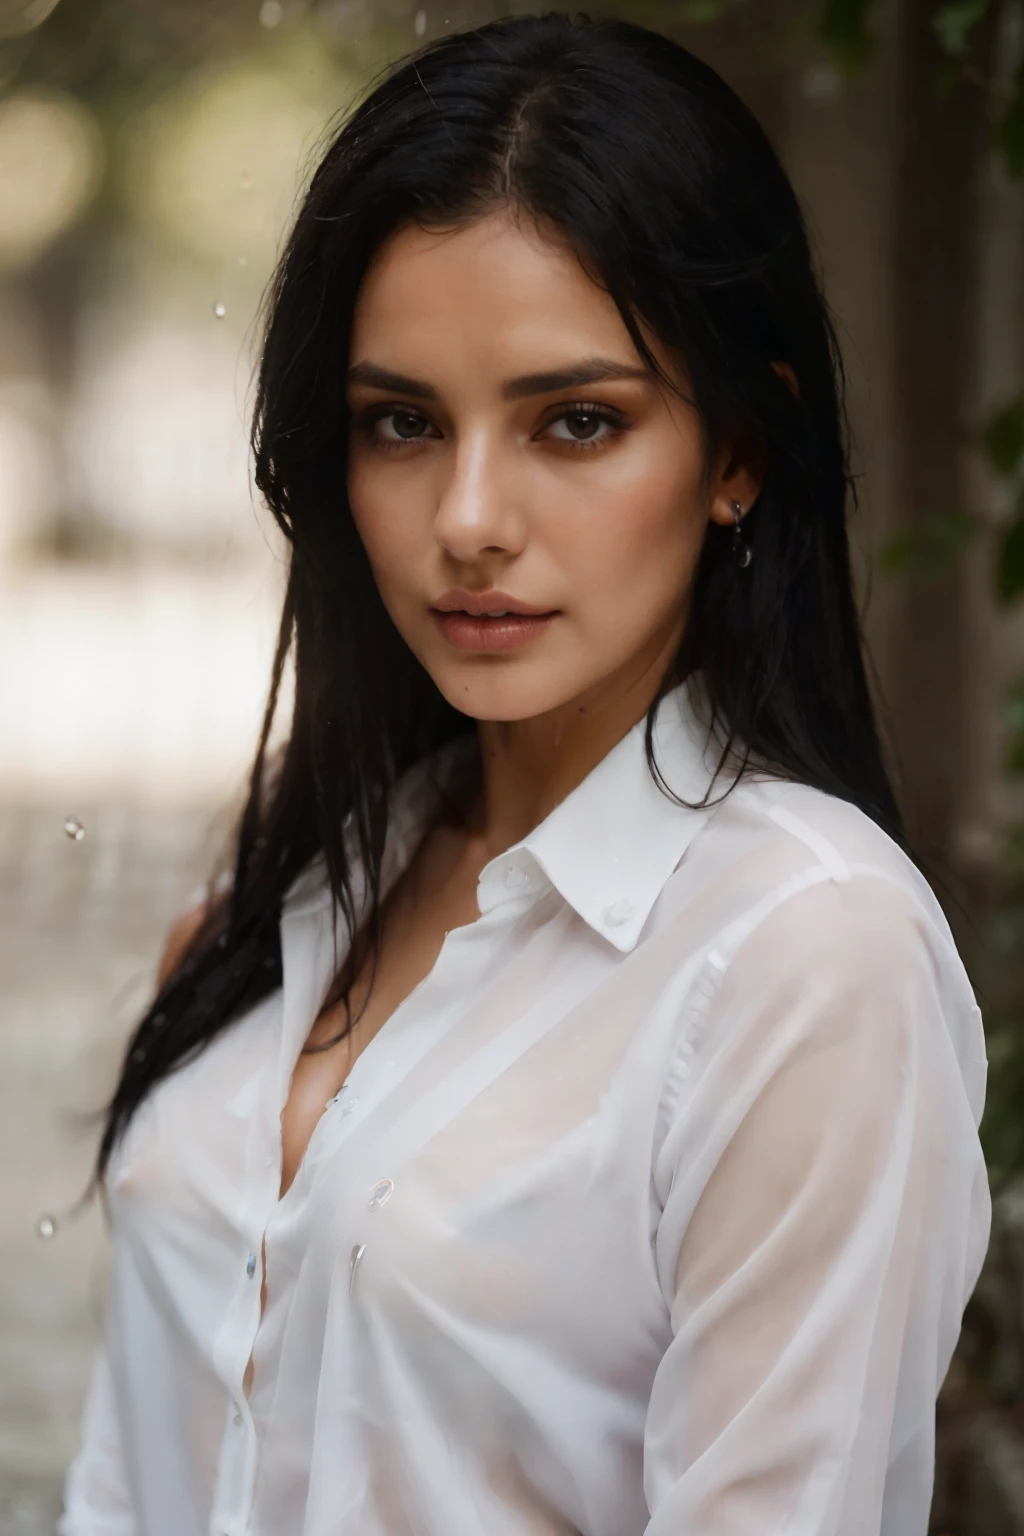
(458, 600)
(474, 632)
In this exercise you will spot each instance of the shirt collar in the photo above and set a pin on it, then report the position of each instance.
(610, 846)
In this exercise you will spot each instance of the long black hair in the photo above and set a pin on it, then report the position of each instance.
(674, 201)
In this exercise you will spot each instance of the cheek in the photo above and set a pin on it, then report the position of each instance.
(392, 534)
(636, 544)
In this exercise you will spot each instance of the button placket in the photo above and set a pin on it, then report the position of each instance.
(380, 1194)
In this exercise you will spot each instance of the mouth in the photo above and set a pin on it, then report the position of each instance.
(504, 630)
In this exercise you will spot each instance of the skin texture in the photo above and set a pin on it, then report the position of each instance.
(602, 520)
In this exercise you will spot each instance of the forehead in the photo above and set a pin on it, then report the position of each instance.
(494, 287)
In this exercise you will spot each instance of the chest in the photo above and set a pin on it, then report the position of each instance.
(436, 894)
(507, 1109)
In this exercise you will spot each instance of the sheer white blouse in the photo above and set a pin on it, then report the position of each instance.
(653, 1209)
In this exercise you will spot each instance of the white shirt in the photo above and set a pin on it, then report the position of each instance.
(653, 1209)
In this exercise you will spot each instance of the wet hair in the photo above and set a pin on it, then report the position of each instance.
(668, 190)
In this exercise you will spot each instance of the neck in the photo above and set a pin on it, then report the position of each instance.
(529, 766)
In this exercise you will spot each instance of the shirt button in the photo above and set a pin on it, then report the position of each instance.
(380, 1192)
(619, 912)
(250, 1267)
(516, 876)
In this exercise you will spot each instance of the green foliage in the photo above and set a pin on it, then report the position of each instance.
(1003, 442)
(1015, 762)
(1003, 438)
(1002, 1126)
(1008, 134)
(842, 26)
(1010, 559)
(703, 10)
(928, 549)
(954, 21)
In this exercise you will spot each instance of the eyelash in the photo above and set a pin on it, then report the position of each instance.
(367, 421)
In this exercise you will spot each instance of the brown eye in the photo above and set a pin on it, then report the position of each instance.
(407, 425)
(589, 426)
(389, 428)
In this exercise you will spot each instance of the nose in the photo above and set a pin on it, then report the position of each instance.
(479, 511)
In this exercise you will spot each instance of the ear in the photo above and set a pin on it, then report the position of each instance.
(741, 480)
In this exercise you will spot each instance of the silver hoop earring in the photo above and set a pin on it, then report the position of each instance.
(741, 550)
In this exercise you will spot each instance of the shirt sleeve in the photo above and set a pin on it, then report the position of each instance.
(824, 1214)
(97, 1499)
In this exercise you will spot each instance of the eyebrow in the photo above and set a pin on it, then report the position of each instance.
(591, 370)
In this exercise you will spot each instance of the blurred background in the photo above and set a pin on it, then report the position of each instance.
(151, 152)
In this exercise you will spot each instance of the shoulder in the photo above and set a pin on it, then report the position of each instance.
(821, 895)
(188, 922)
(777, 834)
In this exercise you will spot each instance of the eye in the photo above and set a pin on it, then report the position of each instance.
(585, 421)
(406, 426)
(392, 428)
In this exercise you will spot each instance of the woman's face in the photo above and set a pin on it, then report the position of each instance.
(506, 439)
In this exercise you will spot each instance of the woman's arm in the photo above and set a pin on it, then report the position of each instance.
(825, 1214)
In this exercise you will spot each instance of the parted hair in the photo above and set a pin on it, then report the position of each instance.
(675, 202)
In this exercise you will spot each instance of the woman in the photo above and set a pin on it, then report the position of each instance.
(565, 1120)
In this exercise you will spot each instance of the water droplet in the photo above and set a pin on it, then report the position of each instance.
(46, 1226)
(220, 310)
(380, 1193)
(271, 12)
(420, 24)
(73, 828)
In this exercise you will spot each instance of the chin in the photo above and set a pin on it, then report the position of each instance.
(504, 689)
